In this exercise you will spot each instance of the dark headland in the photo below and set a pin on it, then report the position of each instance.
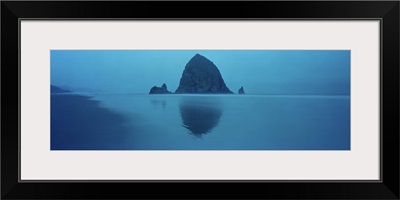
(200, 76)
(55, 89)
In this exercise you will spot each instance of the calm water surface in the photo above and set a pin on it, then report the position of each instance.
(199, 122)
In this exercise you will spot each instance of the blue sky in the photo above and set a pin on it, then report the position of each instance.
(316, 72)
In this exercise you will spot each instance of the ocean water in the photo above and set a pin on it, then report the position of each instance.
(199, 122)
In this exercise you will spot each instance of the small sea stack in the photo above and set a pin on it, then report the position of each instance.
(159, 90)
(241, 91)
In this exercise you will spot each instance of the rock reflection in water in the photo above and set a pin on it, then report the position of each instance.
(161, 103)
(200, 117)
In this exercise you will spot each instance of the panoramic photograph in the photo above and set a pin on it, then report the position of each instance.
(200, 99)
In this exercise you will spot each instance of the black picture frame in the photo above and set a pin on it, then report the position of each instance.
(386, 11)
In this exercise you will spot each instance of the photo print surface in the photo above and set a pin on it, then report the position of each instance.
(200, 99)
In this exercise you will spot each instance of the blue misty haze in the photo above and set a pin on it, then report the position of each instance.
(302, 101)
(316, 72)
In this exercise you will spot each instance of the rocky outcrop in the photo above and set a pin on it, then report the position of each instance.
(159, 90)
(241, 91)
(201, 76)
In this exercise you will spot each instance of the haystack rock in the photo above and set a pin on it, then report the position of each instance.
(159, 90)
(201, 76)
